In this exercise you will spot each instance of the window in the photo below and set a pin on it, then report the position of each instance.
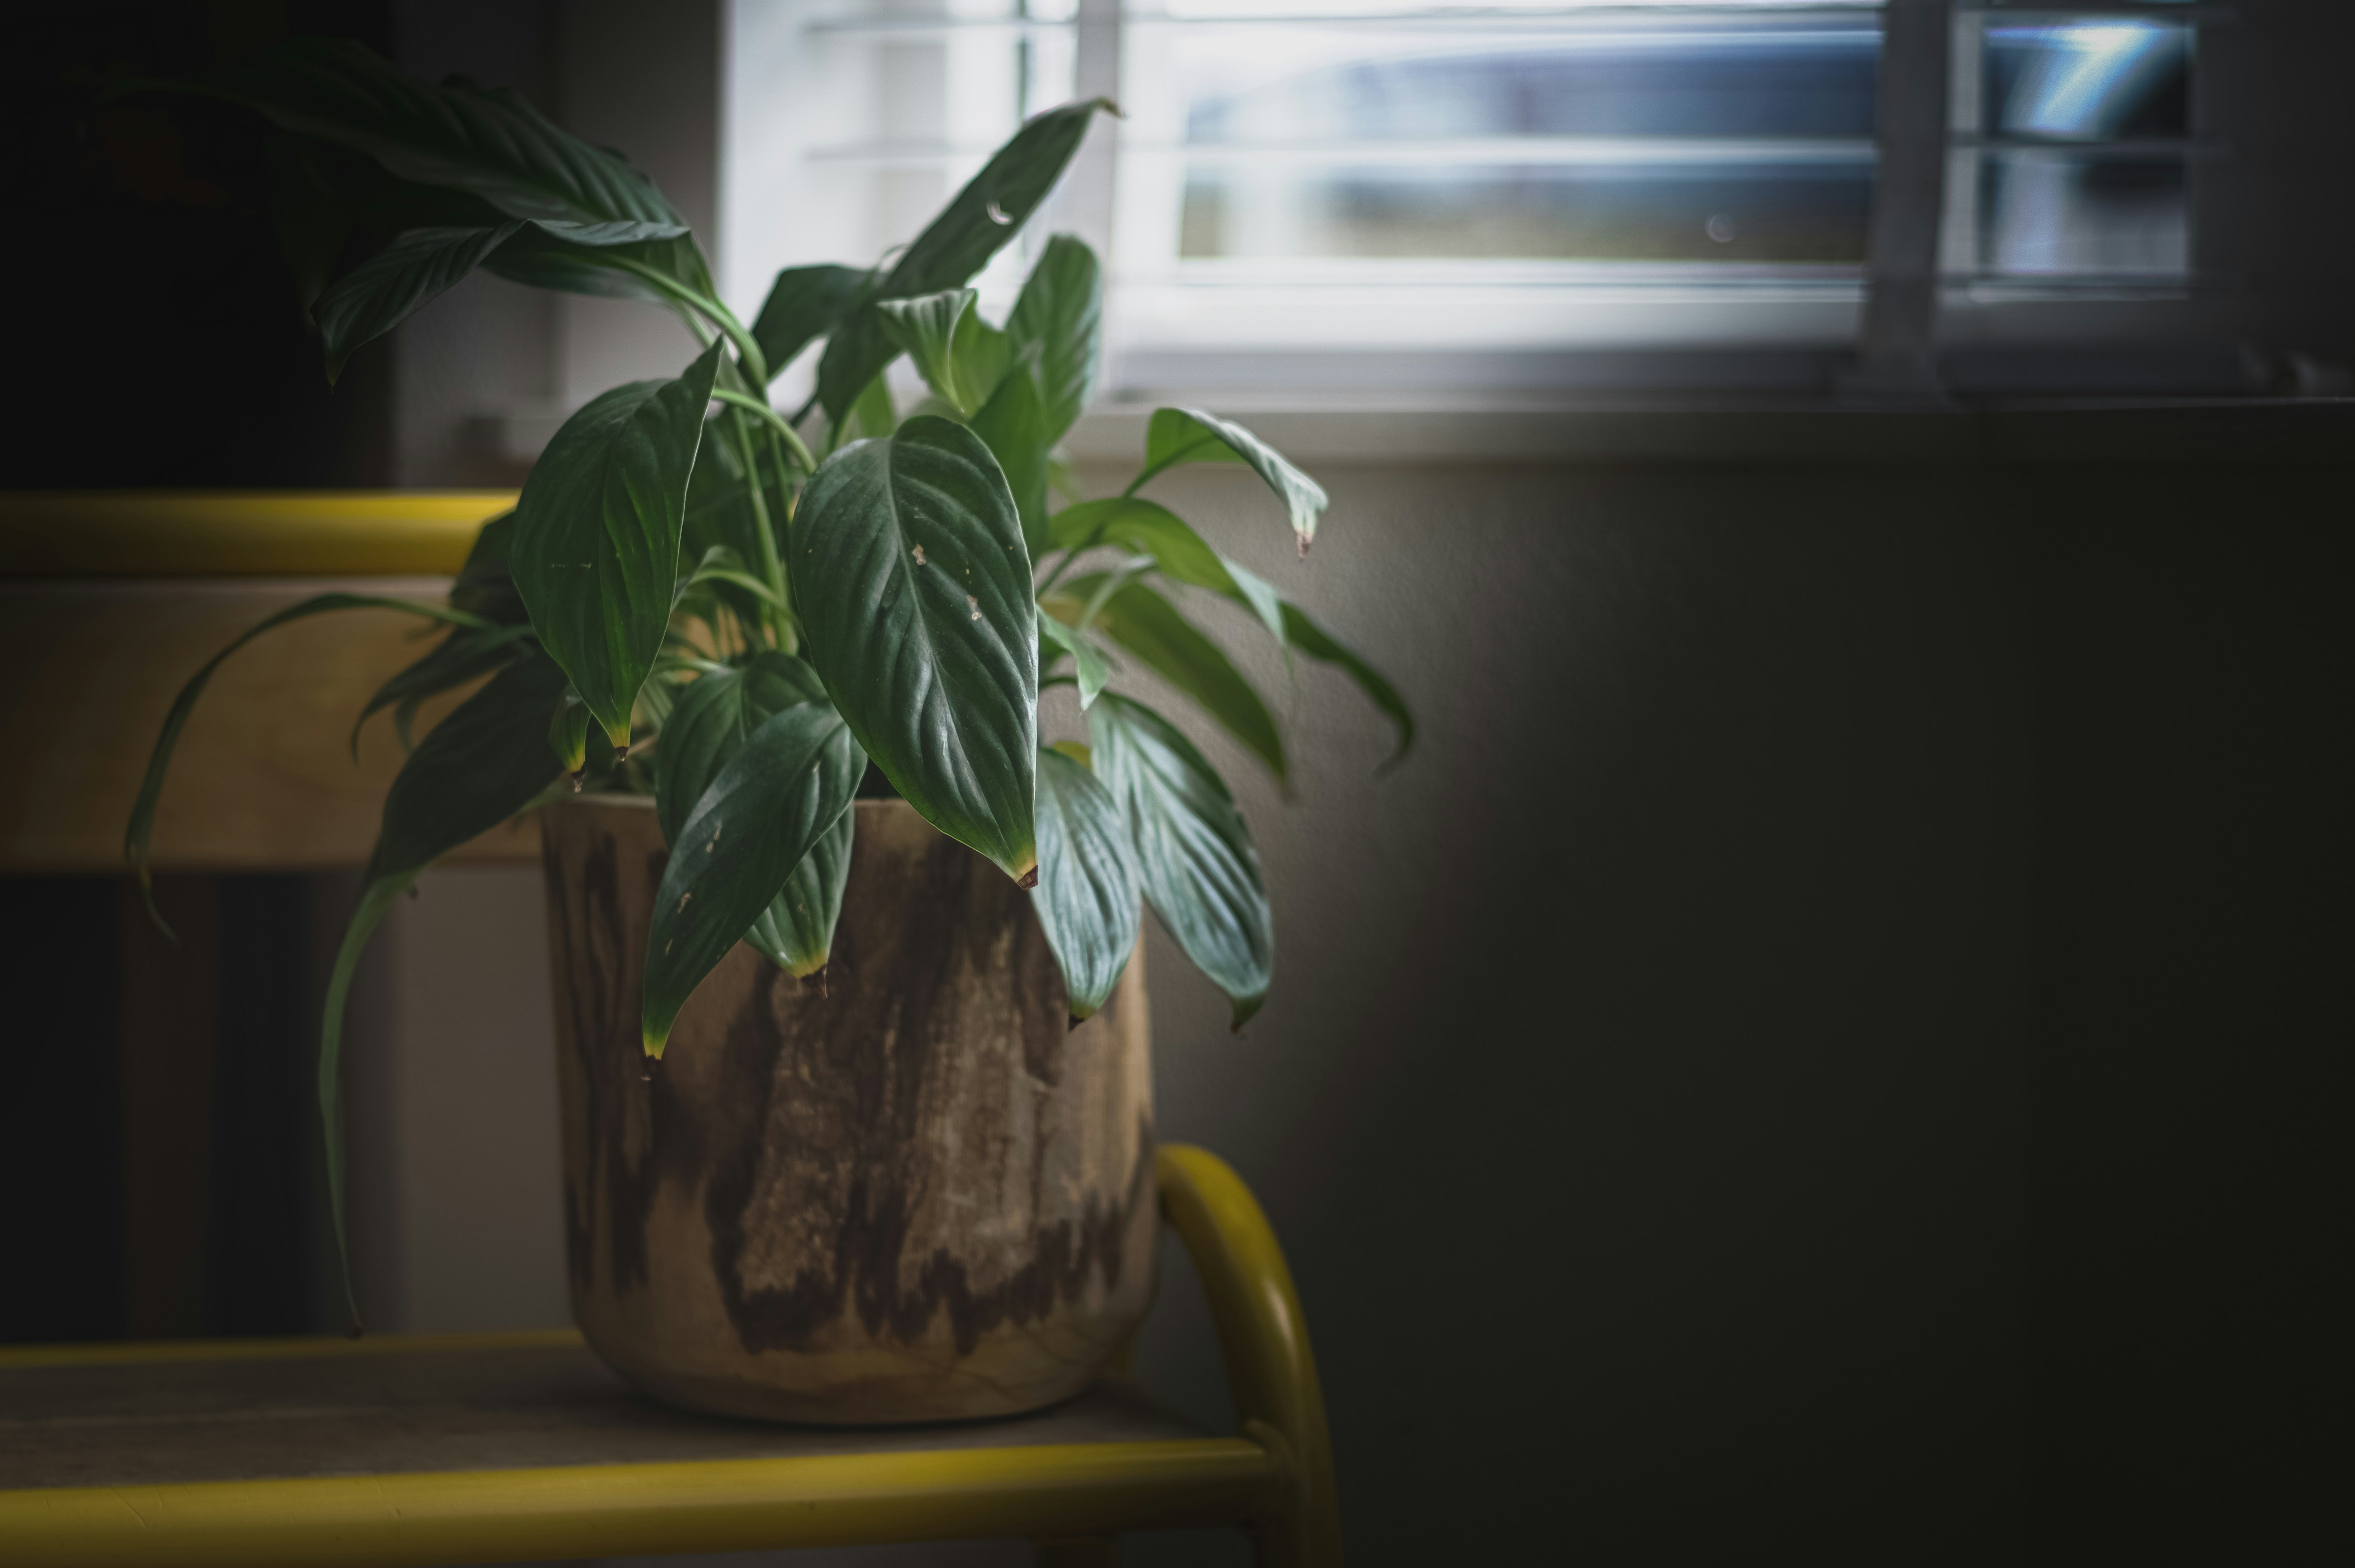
(1312, 195)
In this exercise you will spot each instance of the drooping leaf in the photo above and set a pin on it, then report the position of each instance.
(568, 733)
(795, 932)
(804, 304)
(539, 259)
(914, 588)
(1317, 643)
(1088, 892)
(1193, 856)
(485, 586)
(989, 211)
(709, 718)
(766, 810)
(924, 328)
(597, 532)
(1137, 525)
(477, 769)
(1180, 436)
(483, 141)
(142, 826)
(388, 287)
(1086, 657)
(706, 729)
(1149, 626)
(468, 653)
(1014, 425)
(1061, 311)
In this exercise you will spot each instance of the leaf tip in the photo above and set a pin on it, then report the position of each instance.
(655, 1043)
(1029, 877)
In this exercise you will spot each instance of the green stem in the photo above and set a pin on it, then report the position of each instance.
(780, 626)
(1073, 554)
(746, 350)
(777, 422)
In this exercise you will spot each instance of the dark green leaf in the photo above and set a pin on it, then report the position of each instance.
(1194, 855)
(568, 734)
(535, 258)
(142, 826)
(1013, 423)
(988, 212)
(487, 142)
(1132, 524)
(914, 587)
(1085, 655)
(804, 304)
(707, 727)
(709, 717)
(720, 514)
(484, 586)
(1314, 640)
(767, 809)
(1061, 311)
(472, 772)
(1150, 627)
(1087, 896)
(383, 291)
(597, 532)
(468, 653)
(479, 766)
(872, 417)
(1180, 436)
(795, 932)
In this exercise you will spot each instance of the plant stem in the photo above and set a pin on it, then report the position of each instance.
(777, 423)
(756, 365)
(780, 626)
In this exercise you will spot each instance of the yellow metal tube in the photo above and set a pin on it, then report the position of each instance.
(251, 533)
(1264, 1337)
(623, 1510)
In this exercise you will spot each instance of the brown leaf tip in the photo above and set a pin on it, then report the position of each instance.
(1027, 879)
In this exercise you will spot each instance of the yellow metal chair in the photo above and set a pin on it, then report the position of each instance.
(326, 1451)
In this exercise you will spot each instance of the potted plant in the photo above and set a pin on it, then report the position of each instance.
(896, 1162)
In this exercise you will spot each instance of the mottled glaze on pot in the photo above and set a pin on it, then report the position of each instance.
(905, 1192)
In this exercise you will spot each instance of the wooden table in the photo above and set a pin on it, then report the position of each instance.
(515, 1446)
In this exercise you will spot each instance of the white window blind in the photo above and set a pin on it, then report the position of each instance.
(1319, 194)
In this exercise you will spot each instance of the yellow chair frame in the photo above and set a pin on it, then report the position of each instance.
(1274, 1478)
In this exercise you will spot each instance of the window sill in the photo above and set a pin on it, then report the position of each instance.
(1773, 431)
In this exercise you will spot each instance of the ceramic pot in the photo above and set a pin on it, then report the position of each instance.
(906, 1190)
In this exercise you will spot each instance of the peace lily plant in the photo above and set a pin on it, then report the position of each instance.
(737, 610)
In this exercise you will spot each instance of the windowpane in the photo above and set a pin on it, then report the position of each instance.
(2089, 81)
(2112, 215)
(1656, 211)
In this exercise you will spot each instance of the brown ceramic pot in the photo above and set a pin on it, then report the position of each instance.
(908, 1192)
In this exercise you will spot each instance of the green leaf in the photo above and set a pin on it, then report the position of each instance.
(720, 514)
(709, 718)
(872, 417)
(468, 653)
(539, 261)
(142, 826)
(385, 290)
(478, 768)
(707, 727)
(978, 360)
(597, 532)
(1180, 436)
(804, 304)
(485, 586)
(795, 932)
(1087, 896)
(988, 212)
(1317, 643)
(1085, 655)
(914, 587)
(1013, 423)
(568, 734)
(767, 809)
(1060, 310)
(1193, 856)
(483, 141)
(1150, 627)
(1141, 525)
(924, 328)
